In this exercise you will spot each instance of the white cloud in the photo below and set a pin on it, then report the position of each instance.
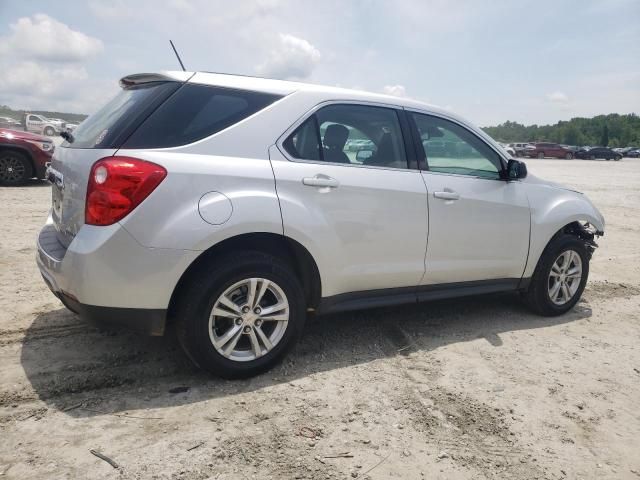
(291, 58)
(44, 38)
(395, 90)
(557, 97)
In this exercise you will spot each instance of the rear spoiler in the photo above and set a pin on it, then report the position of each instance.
(141, 78)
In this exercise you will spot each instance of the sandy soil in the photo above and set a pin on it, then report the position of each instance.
(478, 388)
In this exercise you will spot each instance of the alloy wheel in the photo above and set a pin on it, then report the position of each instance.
(564, 277)
(249, 319)
(12, 170)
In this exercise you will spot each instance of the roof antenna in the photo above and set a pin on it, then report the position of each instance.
(176, 52)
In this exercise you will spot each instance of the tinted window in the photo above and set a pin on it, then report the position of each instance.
(350, 134)
(110, 126)
(195, 112)
(304, 142)
(450, 148)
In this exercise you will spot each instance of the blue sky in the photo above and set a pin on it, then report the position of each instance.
(530, 61)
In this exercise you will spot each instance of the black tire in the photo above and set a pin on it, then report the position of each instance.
(49, 131)
(541, 155)
(207, 283)
(15, 168)
(537, 296)
(618, 158)
(569, 156)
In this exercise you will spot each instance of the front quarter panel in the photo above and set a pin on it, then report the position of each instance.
(552, 208)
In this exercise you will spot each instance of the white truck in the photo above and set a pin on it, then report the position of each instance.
(43, 125)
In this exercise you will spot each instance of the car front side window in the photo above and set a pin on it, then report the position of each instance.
(449, 148)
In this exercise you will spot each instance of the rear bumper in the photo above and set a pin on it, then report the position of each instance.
(107, 277)
(146, 321)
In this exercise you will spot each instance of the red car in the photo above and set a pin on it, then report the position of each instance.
(23, 155)
(542, 150)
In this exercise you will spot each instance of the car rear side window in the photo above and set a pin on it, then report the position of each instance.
(195, 112)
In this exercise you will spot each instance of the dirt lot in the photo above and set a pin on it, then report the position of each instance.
(479, 388)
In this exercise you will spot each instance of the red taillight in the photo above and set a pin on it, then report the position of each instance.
(117, 185)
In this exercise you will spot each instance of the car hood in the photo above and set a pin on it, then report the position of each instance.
(532, 179)
(21, 135)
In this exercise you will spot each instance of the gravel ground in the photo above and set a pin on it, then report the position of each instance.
(465, 389)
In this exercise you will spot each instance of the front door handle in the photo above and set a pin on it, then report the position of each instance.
(448, 194)
(320, 181)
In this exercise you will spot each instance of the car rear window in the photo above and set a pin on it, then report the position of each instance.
(194, 112)
(113, 123)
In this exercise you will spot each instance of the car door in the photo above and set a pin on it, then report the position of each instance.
(34, 123)
(359, 209)
(478, 223)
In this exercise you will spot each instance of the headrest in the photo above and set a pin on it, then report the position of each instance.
(336, 136)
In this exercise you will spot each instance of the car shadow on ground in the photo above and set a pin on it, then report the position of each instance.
(68, 362)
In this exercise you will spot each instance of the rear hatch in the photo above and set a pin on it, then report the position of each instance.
(97, 137)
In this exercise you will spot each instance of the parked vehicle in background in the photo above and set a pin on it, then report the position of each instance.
(633, 153)
(23, 155)
(71, 126)
(542, 150)
(519, 148)
(230, 205)
(510, 150)
(9, 122)
(43, 125)
(598, 152)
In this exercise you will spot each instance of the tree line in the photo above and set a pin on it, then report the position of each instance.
(611, 130)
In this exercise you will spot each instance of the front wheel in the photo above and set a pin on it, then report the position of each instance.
(559, 278)
(618, 158)
(569, 156)
(239, 317)
(15, 168)
(49, 131)
(541, 155)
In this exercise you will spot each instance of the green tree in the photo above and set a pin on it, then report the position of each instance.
(604, 140)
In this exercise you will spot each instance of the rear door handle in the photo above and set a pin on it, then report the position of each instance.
(320, 181)
(447, 195)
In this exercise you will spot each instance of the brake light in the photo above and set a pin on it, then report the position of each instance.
(117, 185)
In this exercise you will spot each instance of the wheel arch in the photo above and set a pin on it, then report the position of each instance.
(274, 244)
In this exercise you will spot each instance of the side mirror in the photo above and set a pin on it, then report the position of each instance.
(516, 169)
(363, 155)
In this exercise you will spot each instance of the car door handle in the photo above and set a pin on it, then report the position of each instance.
(447, 195)
(320, 181)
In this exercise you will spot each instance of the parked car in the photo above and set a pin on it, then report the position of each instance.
(519, 148)
(509, 149)
(70, 127)
(43, 125)
(542, 150)
(9, 122)
(633, 153)
(23, 155)
(598, 152)
(232, 209)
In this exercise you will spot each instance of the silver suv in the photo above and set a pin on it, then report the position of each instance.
(233, 206)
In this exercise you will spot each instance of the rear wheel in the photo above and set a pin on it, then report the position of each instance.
(541, 155)
(618, 158)
(15, 168)
(559, 278)
(239, 317)
(49, 131)
(569, 156)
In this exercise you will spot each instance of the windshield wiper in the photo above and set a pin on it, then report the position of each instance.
(67, 136)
